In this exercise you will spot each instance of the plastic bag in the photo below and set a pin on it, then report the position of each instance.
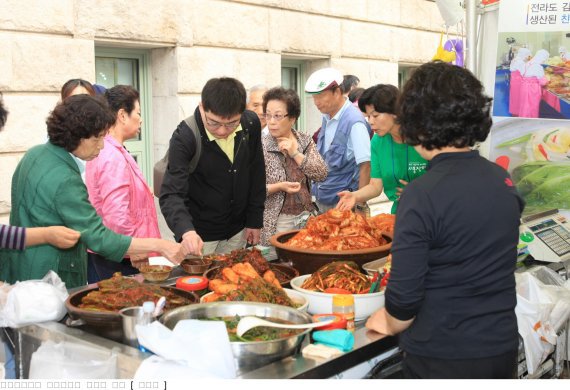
(72, 361)
(543, 306)
(33, 301)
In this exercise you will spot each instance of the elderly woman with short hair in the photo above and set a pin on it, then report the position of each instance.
(47, 190)
(292, 161)
(18, 238)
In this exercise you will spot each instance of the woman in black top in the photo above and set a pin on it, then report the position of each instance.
(451, 291)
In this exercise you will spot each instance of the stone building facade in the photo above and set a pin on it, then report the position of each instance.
(43, 43)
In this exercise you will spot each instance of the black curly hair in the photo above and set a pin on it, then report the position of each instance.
(78, 117)
(287, 96)
(3, 112)
(443, 105)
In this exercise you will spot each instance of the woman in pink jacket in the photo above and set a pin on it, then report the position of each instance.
(517, 68)
(116, 185)
(531, 85)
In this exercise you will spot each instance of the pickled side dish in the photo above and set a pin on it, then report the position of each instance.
(257, 334)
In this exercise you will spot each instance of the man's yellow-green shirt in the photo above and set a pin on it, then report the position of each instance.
(227, 145)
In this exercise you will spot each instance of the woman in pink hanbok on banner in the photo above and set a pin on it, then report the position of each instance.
(517, 68)
(531, 85)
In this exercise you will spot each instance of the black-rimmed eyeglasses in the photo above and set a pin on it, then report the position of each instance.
(229, 125)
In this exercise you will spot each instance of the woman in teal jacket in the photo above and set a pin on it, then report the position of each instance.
(47, 190)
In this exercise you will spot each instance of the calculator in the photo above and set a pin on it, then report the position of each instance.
(547, 235)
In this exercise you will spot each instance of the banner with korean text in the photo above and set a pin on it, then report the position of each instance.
(531, 106)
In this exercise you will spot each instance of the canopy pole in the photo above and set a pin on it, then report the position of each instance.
(471, 26)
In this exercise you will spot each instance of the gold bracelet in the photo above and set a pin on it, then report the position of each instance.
(295, 154)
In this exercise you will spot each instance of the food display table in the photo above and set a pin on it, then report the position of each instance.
(368, 346)
(369, 349)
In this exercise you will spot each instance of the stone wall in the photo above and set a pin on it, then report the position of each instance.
(45, 43)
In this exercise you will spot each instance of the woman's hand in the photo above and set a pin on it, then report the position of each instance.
(382, 322)
(378, 322)
(288, 145)
(138, 261)
(290, 187)
(61, 237)
(173, 251)
(347, 200)
(399, 189)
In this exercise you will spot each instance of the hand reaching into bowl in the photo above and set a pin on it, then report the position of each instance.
(347, 200)
(192, 243)
(139, 261)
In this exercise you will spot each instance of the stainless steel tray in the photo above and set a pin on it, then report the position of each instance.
(374, 266)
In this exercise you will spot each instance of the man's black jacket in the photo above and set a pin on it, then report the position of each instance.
(219, 198)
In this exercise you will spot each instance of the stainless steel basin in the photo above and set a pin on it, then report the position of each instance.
(248, 355)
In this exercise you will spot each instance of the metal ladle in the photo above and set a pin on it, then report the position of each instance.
(247, 323)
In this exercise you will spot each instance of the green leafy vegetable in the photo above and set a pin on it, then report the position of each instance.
(260, 333)
(515, 141)
(544, 185)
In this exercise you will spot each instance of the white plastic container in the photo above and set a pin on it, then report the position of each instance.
(321, 303)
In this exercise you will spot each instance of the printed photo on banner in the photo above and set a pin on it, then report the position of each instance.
(532, 78)
(537, 155)
(531, 103)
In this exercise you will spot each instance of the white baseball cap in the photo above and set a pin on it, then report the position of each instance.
(323, 79)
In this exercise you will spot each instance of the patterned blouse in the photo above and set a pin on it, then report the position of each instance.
(313, 168)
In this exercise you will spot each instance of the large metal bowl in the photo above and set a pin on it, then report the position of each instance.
(104, 323)
(307, 261)
(248, 355)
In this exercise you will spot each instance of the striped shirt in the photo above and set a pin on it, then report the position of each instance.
(12, 237)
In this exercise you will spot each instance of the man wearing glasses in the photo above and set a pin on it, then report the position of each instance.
(343, 140)
(219, 206)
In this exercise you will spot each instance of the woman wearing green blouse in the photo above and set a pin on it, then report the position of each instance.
(394, 164)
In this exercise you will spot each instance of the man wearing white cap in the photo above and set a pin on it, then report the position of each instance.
(343, 140)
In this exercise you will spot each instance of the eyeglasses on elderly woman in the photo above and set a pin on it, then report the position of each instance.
(277, 117)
